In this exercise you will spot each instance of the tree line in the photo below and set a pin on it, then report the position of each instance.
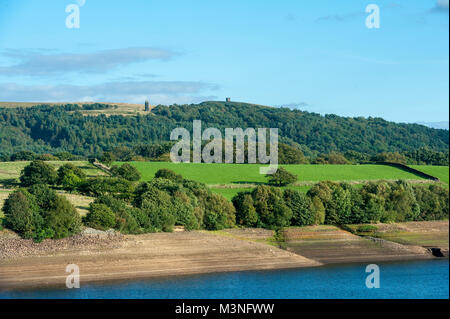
(287, 154)
(66, 130)
(36, 211)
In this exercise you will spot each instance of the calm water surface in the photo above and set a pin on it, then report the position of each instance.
(419, 279)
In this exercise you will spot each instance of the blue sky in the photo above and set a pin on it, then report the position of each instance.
(318, 56)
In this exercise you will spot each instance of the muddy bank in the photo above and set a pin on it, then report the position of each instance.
(140, 256)
(111, 256)
(329, 244)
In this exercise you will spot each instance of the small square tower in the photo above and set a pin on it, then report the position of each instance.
(227, 99)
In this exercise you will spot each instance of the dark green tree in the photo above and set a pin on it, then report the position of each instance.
(38, 172)
(281, 177)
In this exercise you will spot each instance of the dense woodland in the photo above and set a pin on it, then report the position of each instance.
(65, 130)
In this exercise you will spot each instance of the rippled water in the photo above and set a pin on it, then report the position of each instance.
(419, 279)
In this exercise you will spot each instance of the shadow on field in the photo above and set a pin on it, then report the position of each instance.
(9, 182)
(410, 170)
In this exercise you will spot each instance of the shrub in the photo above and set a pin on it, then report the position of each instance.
(336, 199)
(100, 217)
(62, 218)
(40, 214)
(281, 177)
(71, 182)
(69, 169)
(394, 157)
(20, 212)
(219, 213)
(319, 211)
(301, 206)
(125, 220)
(184, 211)
(433, 201)
(126, 171)
(168, 174)
(107, 186)
(44, 196)
(214, 221)
(402, 201)
(167, 185)
(38, 172)
(367, 229)
(23, 156)
(158, 206)
(107, 158)
(271, 208)
(245, 210)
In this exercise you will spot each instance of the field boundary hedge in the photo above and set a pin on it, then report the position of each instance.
(411, 170)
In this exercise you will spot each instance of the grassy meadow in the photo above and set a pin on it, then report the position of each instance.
(230, 179)
(219, 174)
(10, 173)
(124, 109)
(440, 172)
(11, 170)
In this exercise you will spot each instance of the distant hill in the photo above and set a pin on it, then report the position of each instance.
(52, 128)
(125, 109)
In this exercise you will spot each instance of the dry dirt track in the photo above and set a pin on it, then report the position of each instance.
(145, 256)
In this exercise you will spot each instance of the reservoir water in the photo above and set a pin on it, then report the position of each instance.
(418, 279)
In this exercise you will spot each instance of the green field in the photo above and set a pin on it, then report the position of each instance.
(11, 170)
(214, 174)
(440, 172)
(224, 179)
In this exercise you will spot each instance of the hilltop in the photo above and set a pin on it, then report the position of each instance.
(87, 130)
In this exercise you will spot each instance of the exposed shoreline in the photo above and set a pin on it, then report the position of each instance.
(114, 257)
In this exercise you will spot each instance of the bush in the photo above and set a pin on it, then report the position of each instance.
(184, 211)
(281, 177)
(168, 174)
(301, 206)
(367, 229)
(125, 220)
(337, 201)
(126, 171)
(23, 156)
(40, 213)
(394, 157)
(107, 158)
(403, 202)
(38, 172)
(68, 172)
(62, 218)
(107, 186)
(20, 211)
(331, 158)
(245, 210)
(271, 208)
(319, 211)
(44, 196)
(157, 205)
(433, 201)
(219, 213)
(100, 217)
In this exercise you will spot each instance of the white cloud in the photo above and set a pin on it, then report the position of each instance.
(38, 63)
(159, 92)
